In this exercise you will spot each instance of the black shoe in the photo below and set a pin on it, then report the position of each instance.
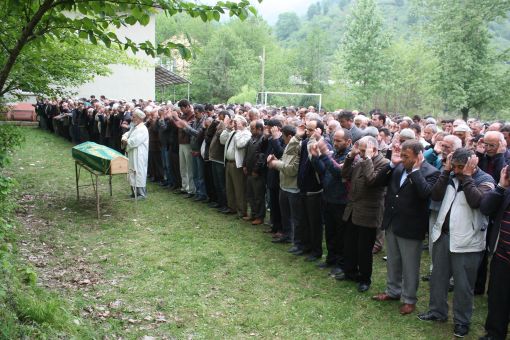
(343, 276)
(460, 331)
(429, 316)
(227, 211)
(293, 249)
(487, 337)
(335, 270)
(312, 258)
(299, 252)
(363, 287)
(425, 278)
(451, 287)
(164, 184)
(324, 265)
(281, 240)
(199, 198)
(214, 205)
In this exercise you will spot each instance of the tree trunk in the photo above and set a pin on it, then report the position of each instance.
(27, 32)
(465, 113)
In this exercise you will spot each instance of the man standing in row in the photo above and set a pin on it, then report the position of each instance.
(409, 182)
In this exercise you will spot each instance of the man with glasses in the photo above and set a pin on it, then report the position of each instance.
(490, 151)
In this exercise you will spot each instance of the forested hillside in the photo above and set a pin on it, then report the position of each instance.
(358, 54)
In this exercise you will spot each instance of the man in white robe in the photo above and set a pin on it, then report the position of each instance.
(136, 142)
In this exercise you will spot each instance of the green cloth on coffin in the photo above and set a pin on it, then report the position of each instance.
(95, 156)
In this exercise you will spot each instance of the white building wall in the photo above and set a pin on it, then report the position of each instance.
(127, 82)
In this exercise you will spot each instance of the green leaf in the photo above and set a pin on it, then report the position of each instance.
(130, 20)
(83, 35)
(253, 10)
(144, 19)
(82, 9)
(106, 41)
(92, 38)
(203, 16)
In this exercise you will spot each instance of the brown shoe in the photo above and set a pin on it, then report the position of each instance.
(407, 308)
(376, 249)
(257, 221)
(247, 218)
(277, 235)
(385, 297)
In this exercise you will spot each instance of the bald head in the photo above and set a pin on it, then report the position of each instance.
(493, 140)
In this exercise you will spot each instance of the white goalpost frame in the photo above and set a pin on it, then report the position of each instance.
(292, 94)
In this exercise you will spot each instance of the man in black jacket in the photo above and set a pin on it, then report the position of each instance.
(275, 147)
(491, 153)
(254, 168)
(409, 182)
(496, 204)
(309, 210)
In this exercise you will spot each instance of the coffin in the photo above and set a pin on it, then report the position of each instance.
(100, 158)
(22, 111)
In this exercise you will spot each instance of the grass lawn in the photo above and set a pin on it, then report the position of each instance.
(170, 268)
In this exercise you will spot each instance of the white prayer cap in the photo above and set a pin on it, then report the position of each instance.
(139, 113)
(241, 119)
(407, 134)
(462, 128)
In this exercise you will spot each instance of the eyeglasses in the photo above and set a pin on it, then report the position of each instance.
(490, 145)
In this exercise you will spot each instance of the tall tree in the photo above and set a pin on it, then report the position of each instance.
(287, 24)
(26, 22)
(362, 50)
(471, 73)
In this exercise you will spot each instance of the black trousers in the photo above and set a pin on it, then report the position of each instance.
(256, 195)
(309, 223)
(275, 212)
(176, 170)
(498, 312)
(208, 179)
(334, 232)
(288, 209)
(358, 244)
(218, 171)
(481, 278)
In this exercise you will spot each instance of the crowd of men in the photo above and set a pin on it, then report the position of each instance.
(358, 181)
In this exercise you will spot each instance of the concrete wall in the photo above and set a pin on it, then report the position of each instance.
(126, 82)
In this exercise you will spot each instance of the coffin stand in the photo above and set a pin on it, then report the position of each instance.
(97, 160)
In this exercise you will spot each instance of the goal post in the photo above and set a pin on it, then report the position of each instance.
(262, 96)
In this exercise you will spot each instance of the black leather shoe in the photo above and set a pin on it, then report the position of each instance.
(281, 240)
(312, 258)
(293, 249)
(460, 331)
(363, 287)
(324, 265)
(298, 252)
(226, 211)
(335, 270)
(188, 195)
(343, 276)
(214, 205)
(429, 316)
(486, 337)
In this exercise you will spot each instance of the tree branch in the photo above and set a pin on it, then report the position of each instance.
(22, 41)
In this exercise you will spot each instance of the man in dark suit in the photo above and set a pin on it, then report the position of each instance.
(496, 204)
(409, 182)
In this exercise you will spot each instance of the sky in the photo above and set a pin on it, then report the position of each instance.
(270, 9)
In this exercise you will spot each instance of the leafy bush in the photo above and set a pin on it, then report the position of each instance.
(26, 311)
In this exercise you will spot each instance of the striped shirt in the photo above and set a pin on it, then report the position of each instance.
(503, 248)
